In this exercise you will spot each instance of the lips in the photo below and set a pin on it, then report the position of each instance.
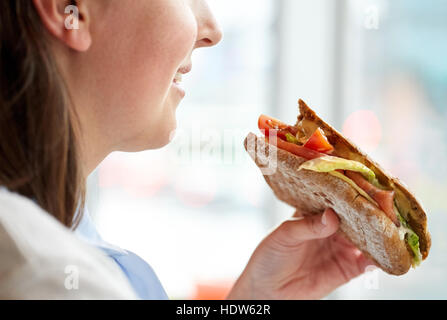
(176, 82)
(185, 69)
(181, 71)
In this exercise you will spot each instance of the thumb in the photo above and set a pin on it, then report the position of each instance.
(296, 231)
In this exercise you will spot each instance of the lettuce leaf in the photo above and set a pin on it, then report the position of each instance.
(413, 242)
(330, 163)
(292, 139)
(411, 237)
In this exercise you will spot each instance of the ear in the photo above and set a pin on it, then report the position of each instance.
(67, 20)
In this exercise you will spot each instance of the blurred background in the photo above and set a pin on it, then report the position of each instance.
(376, 70)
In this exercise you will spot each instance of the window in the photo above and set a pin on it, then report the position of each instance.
(195, 209)
(394, 67)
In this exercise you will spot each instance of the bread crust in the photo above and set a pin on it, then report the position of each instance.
(416, 215)
(363, 223)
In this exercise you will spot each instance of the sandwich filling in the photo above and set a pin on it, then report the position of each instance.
(309, 141)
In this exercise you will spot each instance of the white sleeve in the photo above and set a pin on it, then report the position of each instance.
(42, 259)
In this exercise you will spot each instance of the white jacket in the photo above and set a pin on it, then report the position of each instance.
(42, 259)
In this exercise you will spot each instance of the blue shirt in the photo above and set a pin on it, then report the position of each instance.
(139, 273)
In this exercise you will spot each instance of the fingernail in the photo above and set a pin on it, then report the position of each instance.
(370, 268)
(323, 219)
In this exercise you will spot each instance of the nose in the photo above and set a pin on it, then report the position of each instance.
(209, 32)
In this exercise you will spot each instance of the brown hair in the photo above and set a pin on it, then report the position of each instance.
(39, 153)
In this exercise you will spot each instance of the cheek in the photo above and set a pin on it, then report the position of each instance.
(157, 98)
(158, 45)
(140, 59)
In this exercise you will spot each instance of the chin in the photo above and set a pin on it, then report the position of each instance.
(163, 136)
(152, 137)
(162, 142)
(145, 143)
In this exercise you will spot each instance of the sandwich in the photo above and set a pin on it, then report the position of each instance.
(315, 167)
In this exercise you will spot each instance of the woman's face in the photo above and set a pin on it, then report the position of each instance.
(124, 86)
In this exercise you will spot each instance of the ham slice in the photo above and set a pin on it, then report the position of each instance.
(384, 198)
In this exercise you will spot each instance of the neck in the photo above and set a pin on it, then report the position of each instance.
(92, 155)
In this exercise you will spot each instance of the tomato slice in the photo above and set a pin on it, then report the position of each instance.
(269, 125)
(319, 142)
(300, 151)
(277, 130)
(266, 122)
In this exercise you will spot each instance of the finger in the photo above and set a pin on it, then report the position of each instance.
(365, 264)
(341, 239)
(293, 232)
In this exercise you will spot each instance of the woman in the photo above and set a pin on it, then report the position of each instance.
(72, 92)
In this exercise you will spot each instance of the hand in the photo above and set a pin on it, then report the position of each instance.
(304, 258)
